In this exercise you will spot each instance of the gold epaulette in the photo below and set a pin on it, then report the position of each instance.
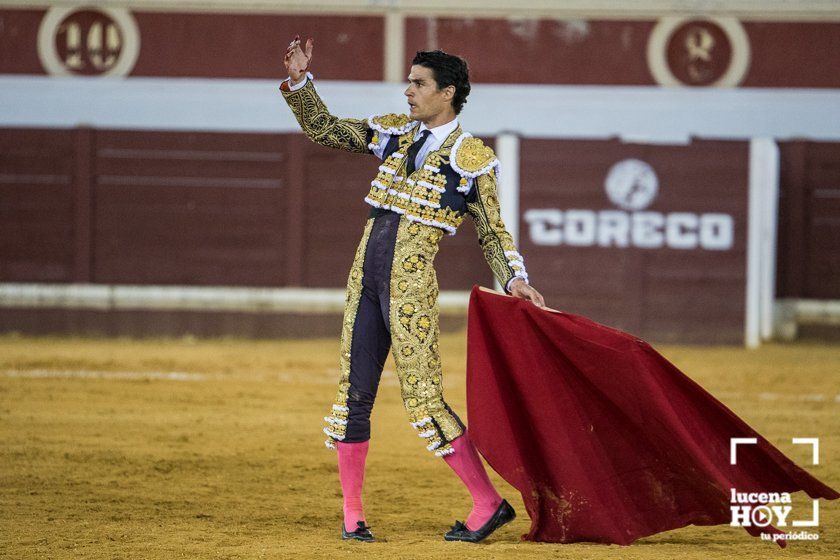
(471, 158)
(391, 123)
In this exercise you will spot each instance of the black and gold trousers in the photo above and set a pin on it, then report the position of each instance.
(392, 304)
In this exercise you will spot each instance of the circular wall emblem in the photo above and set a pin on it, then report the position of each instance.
(698, 52)
(632, 184)
(88, 41)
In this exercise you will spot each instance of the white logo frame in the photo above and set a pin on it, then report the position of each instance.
(48, 54)
(657, 47)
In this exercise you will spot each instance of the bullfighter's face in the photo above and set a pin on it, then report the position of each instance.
(425, 100)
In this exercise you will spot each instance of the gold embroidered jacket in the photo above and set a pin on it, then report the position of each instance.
(458, 178)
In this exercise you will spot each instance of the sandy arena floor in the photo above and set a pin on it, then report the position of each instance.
(212, 449)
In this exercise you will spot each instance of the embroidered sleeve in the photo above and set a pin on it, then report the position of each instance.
(352, 135)
(495, 241)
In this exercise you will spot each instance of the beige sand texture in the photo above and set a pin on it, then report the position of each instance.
(212, 449)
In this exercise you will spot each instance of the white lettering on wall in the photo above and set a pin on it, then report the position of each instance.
(617, 228)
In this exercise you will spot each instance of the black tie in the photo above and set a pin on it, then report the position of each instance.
(413, 150)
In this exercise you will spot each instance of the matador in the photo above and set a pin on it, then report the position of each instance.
(432, 175)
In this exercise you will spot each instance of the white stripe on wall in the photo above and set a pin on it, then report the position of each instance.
(642, 114)
(106, 297)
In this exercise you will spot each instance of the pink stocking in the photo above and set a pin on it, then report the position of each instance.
(468, 466)
(351, 472)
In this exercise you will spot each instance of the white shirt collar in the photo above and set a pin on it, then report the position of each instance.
(440, 132)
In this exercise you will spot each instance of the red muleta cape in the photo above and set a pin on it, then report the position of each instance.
(606, 440)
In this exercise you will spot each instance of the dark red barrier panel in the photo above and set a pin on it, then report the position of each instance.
(809, 220)
(650, 239)
(39, 179)
(188, 208)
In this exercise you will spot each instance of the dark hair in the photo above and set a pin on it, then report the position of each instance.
(448, 70)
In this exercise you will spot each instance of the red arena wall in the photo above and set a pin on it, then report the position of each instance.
(695, 51)
(649, 237)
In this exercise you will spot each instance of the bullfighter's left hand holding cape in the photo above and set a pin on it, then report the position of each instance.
(605, 439)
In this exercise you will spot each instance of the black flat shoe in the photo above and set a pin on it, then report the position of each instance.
(459, 532)
(361, 534)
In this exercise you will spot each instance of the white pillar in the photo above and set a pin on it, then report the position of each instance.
(394, 46)
(761, 240)
(769, 214)
(507, 150)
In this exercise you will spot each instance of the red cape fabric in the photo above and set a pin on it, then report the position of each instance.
(606, 440)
